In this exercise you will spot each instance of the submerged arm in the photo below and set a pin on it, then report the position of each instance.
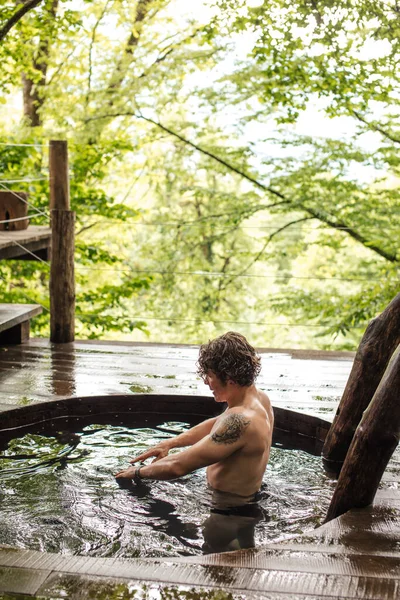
(227, 438)
(187, 438)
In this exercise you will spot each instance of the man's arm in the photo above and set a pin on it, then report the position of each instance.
(226, 439)
(187, 438)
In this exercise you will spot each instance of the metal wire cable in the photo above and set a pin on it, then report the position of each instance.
(132, 221)
(220, 274)
(18, 219)
(145, 317)
(28, 298)
(29, 180)
(197, 273)
(45, 262)
(148, 318)
(23, 145)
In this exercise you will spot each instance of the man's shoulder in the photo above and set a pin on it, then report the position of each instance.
(263, 395)
(237, 413)
(231, 426)
(264, 400)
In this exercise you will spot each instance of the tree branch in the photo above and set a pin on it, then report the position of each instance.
(196, 147)
(57, 71)
(213, 156)
(268, 240)
(86, 227)
(352, 233)
(244, 214)
(92, 41)
(118, 76)
(167, 51)
(377, 128)
(29, 5)
(314, 213)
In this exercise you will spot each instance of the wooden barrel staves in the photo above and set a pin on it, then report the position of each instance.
(13, 205)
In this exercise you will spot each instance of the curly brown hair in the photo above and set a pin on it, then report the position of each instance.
(230, 357)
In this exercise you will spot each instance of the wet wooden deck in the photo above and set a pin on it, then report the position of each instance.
(355, 556)
(38, 371)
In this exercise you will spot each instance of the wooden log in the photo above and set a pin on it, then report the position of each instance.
(62, 279)
(59, 180)
(380, 340)
(374, 442)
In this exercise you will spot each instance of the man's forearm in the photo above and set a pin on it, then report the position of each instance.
(164, 469)
(192, 436)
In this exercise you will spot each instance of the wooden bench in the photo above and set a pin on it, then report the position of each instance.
(15, 322)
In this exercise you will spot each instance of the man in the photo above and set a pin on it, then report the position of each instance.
(234, 446)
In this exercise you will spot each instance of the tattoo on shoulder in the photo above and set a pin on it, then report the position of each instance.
(230, 430)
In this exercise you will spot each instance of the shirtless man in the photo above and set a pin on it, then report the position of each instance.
(234, 446)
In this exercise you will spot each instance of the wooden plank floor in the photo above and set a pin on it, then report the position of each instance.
(38, 371)
(355, 556)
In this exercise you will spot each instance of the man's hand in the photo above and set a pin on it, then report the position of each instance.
(126, 474)
(159, 451)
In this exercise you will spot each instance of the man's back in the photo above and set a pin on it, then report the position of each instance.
(241, 473)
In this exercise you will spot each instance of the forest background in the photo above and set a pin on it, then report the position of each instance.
(233, 164)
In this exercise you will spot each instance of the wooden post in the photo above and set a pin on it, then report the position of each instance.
(380, 340)
(59, 180)
(62, 279)
(373, 444)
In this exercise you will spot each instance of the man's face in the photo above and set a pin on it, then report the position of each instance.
(218, 388)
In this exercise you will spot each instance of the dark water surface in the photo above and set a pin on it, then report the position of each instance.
(59, 494)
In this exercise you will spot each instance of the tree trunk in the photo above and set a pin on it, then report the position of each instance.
(122, 65)
(33, 92)
(380, 340)
(17, 16)
(373, 444)
(31, 101)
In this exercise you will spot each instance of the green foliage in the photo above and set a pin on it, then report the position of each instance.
(199, 205)
(24, 281)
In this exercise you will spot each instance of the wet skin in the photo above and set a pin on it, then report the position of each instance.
(234, 446)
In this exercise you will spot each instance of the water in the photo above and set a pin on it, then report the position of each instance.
(59, 494)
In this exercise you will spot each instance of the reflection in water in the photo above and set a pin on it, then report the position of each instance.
(232, 521)
(227, 527)
(224, 532)
(84, 588)
(162, 515)
(59, 494)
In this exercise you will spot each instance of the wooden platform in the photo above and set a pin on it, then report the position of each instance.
(356, 556)
(26, 244)
(15, 322)
(38, 371)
